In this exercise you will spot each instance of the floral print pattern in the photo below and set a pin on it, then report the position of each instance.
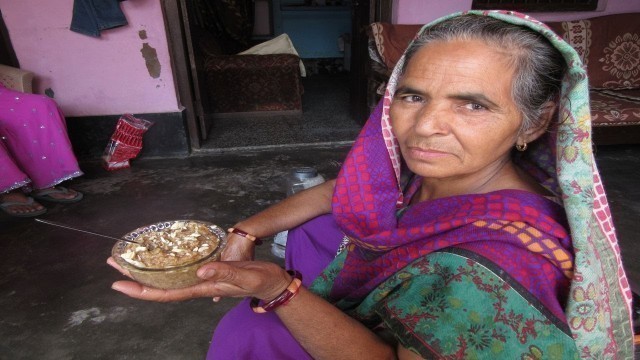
(609, 108)
(608, 45)
(587, 308)
(622, 60)
(447, 305)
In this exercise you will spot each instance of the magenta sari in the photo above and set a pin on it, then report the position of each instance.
(34, 146)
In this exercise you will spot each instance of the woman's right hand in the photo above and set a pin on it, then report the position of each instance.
(238, 249)
(284, 215)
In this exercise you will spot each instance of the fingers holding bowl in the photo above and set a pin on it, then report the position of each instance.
(143, 292)
(264, 280)
(112, 262)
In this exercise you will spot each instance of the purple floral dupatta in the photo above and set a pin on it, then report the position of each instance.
(368, 196)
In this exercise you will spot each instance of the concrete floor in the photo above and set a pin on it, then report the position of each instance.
(55, 296)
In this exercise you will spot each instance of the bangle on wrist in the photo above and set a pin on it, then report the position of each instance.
(245, 235)
(289, 293)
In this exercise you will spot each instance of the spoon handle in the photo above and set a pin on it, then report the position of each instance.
(48, 222)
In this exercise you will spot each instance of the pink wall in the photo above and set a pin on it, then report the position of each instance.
(423, 11)
(94, 76)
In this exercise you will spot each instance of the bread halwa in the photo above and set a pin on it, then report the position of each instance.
(184, 242)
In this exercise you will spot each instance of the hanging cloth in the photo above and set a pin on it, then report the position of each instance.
(92, 16)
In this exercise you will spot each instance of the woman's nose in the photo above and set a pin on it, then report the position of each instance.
(432, 119)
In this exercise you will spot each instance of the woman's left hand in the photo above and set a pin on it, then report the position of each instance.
(263, 280)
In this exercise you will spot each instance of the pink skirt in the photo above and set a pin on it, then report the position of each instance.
(34, 146)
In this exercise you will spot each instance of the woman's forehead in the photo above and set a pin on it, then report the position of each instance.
(465, 45)
(472, 59)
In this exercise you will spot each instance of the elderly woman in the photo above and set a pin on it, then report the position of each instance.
(468, 220)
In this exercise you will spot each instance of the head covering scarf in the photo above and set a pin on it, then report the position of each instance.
(369, 192)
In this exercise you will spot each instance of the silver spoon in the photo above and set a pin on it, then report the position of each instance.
(48, 222)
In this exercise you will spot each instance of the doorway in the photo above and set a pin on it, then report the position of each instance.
(334, 99)
(7, 54)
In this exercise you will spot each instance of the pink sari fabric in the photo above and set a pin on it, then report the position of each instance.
(34, 146)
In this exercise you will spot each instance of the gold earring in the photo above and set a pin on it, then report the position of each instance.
(522, 147)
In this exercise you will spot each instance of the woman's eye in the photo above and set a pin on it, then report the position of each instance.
(475, 107)
(411, 98)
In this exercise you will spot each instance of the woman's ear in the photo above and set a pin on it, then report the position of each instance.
(533, 133)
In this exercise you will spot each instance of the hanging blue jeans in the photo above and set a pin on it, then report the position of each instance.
(92, 16)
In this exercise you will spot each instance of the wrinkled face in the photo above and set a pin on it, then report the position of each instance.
(453, 113)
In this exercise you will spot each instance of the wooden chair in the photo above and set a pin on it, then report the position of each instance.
(16, 79)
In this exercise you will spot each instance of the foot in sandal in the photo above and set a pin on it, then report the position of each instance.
(59, 194)
(15, 203)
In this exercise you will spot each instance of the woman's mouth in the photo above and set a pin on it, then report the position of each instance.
(427, 153)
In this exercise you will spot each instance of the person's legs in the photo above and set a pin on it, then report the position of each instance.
(12, 176)
(34, 131)
(12, 200)
(242, 334)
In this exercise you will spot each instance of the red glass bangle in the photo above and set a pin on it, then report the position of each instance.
(289, 293)
(245, 235)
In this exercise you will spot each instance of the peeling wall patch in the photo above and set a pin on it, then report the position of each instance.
(150, 56)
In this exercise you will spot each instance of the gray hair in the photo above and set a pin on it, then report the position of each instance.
(539, 66)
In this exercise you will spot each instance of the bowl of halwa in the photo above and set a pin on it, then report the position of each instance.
(167, 254)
